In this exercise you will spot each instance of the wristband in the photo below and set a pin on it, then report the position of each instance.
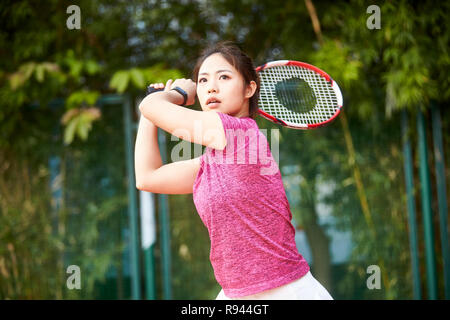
(183, 93)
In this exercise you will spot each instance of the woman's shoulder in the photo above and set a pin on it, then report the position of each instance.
(232, 122)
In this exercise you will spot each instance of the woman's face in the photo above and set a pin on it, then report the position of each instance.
(221, 87)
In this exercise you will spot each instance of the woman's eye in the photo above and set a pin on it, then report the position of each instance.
(225, 76)
(201, 80)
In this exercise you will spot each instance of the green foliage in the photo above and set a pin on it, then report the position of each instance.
(343, 68)
(79, 66)
(84, 239)
(408, 52)
(79, 121)
(124, 46)
(82, 97)
(119, 81)
(27, 70)
(141, 77)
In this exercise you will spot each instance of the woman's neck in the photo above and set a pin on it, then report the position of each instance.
(243, 113)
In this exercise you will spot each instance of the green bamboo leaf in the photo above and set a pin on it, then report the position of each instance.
(39, 72)
(68, 115)
(69, 131)
(50, 67)
(91, 97)
(84, 126)
(137, 77)
(120, 81)
(27, 69)
(16, 80)
(82, 97)
(92, 67)
(76, 67)
(19, 78)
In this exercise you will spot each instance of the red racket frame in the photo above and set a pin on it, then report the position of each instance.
(333, 84)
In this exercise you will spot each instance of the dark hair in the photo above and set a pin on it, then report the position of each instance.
(240, 61)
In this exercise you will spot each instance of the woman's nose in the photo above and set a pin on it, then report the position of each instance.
(212, 87)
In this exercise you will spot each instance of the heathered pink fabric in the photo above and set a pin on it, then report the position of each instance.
(242, 202)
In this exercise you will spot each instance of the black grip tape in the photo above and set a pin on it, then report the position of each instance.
(150, 90)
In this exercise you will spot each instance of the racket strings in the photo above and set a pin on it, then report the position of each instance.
(297, 95)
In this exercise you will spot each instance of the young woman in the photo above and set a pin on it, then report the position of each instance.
(242, 203)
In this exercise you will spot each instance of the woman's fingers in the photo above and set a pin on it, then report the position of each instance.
(168, 85)
(160, 85)
(157, 85)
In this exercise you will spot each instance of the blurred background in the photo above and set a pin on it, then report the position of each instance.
(368, 193)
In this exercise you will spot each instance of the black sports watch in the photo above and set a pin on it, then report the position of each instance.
(183, 93)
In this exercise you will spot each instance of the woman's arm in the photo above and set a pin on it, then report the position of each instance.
(173, 178)
(200, 127)
(147, 157)
(177, 177)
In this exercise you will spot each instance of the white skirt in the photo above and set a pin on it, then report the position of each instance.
(305, 288)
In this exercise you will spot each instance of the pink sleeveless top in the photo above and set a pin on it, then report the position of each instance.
(240, 197)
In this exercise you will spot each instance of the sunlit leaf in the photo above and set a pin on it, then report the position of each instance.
(69, 131)
(137, 77)
(39, 72)
(119, 81)
(92, 67)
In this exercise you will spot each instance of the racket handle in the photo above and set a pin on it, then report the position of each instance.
(151, 90)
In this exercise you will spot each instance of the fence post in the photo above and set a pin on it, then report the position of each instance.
(409, 180)
(430, 256)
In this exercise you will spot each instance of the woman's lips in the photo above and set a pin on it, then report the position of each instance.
(213, 105)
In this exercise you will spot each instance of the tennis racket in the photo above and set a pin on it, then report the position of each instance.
(296, 95)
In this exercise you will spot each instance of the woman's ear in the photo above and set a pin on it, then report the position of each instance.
(250, 90)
